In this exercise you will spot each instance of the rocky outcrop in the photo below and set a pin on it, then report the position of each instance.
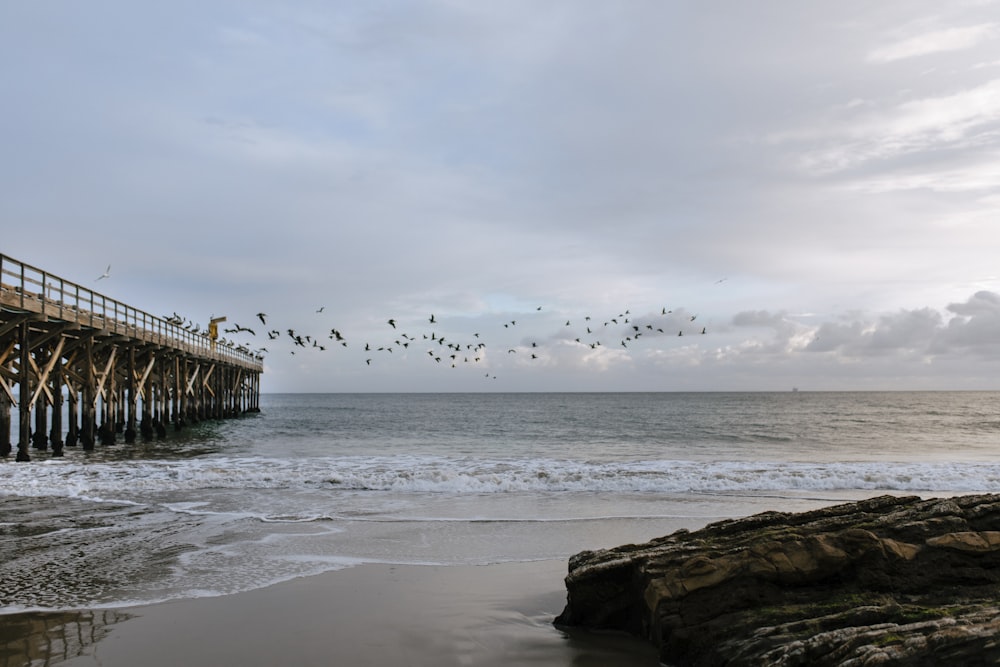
(886, 581)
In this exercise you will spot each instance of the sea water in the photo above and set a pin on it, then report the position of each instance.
(318, 482)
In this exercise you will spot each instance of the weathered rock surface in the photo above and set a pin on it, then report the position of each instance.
(886, 581)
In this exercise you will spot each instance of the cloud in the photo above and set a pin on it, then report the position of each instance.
(948, 39)
(975, 327)
(909, 333)
(980, 176)
(759, 318)
(963, 120)
(787, 334)
(479, 160)
(922, 334)
(981, 303)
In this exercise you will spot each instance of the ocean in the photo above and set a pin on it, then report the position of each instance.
(320, 482)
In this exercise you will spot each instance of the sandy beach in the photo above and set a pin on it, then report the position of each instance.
(365, 615)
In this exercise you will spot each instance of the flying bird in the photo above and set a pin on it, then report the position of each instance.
(261, 317)
(106, 274)
(392, 323)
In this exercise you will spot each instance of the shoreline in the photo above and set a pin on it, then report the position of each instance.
(369, 614)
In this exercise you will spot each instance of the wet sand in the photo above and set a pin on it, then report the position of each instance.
(366, 615)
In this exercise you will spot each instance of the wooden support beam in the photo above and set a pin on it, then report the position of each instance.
(43, 377)
(144, 376)
(191, 379)
(7, 374)
(24, 428)
(103, 377)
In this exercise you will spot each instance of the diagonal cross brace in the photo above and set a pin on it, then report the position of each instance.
(43, 377)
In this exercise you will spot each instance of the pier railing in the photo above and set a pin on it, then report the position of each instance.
(30, 289)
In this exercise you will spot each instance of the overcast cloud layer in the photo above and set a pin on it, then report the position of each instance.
(816, 186)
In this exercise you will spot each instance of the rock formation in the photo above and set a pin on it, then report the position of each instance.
(886, 581)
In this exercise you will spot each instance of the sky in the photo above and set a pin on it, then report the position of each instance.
(813, 185)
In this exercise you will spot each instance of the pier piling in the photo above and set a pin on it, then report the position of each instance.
(108, 368)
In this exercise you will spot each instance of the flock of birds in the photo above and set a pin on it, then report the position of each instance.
(622, 330)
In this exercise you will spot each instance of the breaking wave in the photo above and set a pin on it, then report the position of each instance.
(402, 474)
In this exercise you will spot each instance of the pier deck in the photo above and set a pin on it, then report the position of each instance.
(118, 368)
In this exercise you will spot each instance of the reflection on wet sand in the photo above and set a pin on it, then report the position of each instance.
(40, 639)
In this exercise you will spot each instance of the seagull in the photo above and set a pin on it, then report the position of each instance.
(261, 316)
(321, 309)
(106, 274)
(432, 320)
(392, 323)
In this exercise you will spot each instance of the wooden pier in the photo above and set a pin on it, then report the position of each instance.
(118, 370)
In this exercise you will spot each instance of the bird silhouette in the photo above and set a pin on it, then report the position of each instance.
(262, 317)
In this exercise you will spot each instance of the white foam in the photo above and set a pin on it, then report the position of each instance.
(125, 481)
